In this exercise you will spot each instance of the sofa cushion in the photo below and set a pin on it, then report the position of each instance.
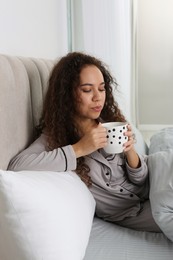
(23, 86)
(44, 215)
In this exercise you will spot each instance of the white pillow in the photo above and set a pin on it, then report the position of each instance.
(44, 216)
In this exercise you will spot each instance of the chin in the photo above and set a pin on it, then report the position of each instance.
(95, 117)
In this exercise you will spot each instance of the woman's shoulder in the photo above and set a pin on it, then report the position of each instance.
(41, 141)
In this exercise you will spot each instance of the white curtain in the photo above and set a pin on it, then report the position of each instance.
(103, 28)
(154, 63)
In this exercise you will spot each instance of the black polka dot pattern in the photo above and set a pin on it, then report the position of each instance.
(117, 135)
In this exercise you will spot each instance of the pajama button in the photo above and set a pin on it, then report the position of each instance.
(107, 173)
(107, 184)
(131, 195)
(121, 190)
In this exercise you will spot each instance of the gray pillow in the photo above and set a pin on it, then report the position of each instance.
(160, 163)
(162, 140)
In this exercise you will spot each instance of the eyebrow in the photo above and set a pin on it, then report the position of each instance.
(90, 84)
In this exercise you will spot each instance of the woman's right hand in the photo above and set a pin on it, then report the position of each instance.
(92, 140)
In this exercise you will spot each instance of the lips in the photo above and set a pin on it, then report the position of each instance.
(97, 108)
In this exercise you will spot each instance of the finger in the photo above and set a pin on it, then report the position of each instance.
(129, 127)
(133, 137)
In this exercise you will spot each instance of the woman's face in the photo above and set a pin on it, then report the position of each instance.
(90, 93)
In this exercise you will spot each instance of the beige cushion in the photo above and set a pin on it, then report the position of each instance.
(23, 83)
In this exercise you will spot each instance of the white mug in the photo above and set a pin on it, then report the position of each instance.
(115, 136)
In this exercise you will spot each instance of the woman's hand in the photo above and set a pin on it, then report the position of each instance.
(131, 155)
(92, 140)
(131, 139)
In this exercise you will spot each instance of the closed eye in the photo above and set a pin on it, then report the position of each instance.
(86, 90)
(89, 90)
(87, 87)
(102, 89)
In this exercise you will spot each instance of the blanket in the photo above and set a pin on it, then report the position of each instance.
(160, 164)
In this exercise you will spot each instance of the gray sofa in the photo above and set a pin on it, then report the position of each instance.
(23, 83)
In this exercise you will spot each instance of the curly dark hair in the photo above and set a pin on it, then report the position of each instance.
(59, 104)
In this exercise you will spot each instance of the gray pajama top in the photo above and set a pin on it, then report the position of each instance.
(117, 188)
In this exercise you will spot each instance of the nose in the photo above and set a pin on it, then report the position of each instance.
(96, 95)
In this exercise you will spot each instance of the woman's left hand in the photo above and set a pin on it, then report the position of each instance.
(129, 151)
(131, 139)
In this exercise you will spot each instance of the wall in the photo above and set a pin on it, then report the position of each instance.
(155, 64)
(33, 28)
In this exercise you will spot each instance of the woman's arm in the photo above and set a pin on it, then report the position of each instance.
(139, 174)
(38, 157)
(136, 165)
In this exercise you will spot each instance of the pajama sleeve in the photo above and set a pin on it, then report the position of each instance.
(38, 157)
(138, 175)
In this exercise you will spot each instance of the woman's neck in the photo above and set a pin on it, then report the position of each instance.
(85, 125)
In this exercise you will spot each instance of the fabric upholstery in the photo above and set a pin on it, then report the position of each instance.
(23, 83)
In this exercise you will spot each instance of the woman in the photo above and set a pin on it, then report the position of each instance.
(78, 99)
